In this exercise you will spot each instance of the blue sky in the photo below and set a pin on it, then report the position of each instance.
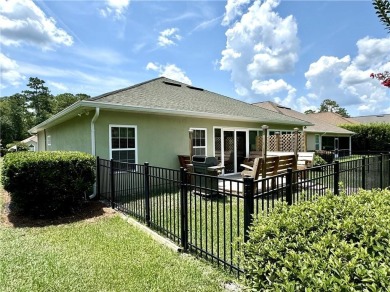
(296, 53)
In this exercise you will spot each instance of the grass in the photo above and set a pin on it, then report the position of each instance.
(107, 255)
(103, 254)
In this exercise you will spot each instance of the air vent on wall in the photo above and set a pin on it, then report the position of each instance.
(171, 83)
(195, 88)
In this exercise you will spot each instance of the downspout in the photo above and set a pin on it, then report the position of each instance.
(44, 134)
(93, 144)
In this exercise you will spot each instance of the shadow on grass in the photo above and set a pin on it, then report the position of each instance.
(89, 211)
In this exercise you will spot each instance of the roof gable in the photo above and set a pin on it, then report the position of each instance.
(318, 126)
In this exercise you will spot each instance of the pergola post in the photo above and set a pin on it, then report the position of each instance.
(296, 142)
(264, 150)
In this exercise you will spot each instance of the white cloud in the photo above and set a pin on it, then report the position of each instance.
(115, 8)
(259, 45)
(21, 21)
(9, 74)
(170, 71)
(168, 37)
(58, 85)
(233, 9)
(325, 73)
(75, 81)
(270, 87)
(347, 80)
(372, 52)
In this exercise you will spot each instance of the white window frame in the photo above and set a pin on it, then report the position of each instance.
(205, 139)
(48, 140)
(124, 149)
(319, 141)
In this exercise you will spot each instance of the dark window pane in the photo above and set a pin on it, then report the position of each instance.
(131, 133)
(115, 143)
(123, 156)
(131, 156)
(115, 132)
(123, 132)
(131, 143)
(123, 143)
(115, 155)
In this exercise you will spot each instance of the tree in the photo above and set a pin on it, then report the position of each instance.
(39, 99)
(384, 77)
(15, 119)
(63, 100)
(382, 8)
(329, 105)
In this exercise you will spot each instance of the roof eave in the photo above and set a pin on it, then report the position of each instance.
(77, 107)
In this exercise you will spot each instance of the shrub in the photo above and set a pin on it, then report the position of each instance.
(318, 160)
(47, 183)
(326, 155)
(373, 136)
(337, 243)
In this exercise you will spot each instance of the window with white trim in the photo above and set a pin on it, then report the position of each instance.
(199, 142)
(123, 143)
(317, 141)
(48, 140)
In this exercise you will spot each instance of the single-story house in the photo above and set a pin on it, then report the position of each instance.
(32, 142)
(320, 135)
(151, 122)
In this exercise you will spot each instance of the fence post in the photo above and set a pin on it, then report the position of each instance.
(289, 186)
(336, 178)
(98, 178)
(112, 173)
(184, 208)
(147, 193)
(381, 171)
(364, 172)
(249, 206)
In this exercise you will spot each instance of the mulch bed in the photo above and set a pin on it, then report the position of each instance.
(91, 211)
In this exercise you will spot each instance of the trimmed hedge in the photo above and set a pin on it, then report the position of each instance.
(48, 184)
(373, 136)
(336, 243)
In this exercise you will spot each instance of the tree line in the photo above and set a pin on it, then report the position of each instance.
(22, 111)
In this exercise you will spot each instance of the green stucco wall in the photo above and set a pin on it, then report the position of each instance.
(72, 135)
(160, 138)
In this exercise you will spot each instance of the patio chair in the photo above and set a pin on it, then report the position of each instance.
(252, 170)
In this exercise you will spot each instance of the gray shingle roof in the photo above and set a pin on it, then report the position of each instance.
(385, 118)
(164, 93)
(319, 126)
(333, 118)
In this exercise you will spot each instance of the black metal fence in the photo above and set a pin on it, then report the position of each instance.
(209, 215)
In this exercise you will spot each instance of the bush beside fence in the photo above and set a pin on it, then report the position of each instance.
(48, 184)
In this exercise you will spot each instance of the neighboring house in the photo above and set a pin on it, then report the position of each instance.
(32, 143)
(333, 118)
(320, 135)
(385, 118)
(150, 122)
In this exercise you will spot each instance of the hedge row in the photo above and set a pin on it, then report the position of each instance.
(374, 136)
(337, 243)
(48, 183)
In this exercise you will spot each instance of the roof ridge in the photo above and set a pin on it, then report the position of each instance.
(125, 88)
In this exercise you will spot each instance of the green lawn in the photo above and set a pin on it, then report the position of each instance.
(106, 255)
